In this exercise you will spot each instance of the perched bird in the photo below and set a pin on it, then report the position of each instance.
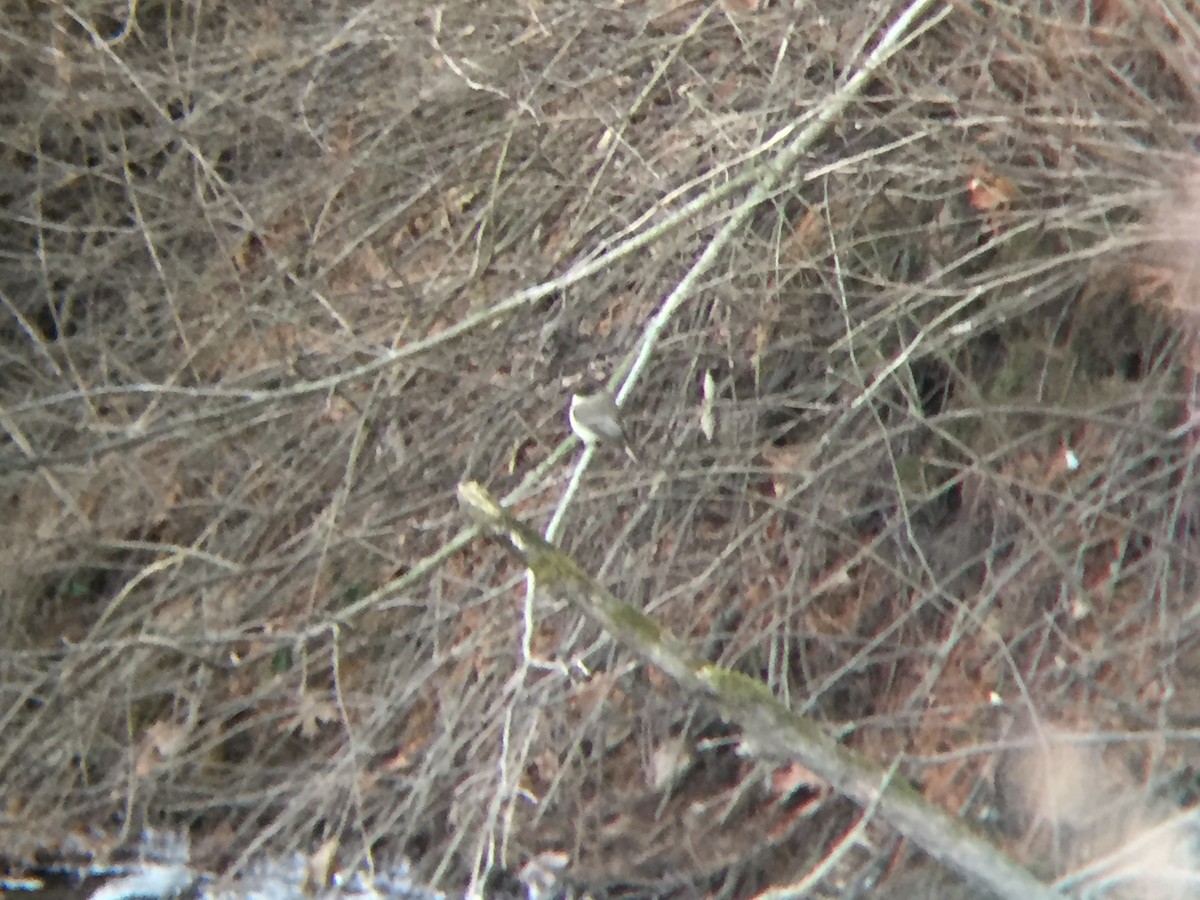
(596, 419)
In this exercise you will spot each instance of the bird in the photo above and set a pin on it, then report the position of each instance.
(596, 419)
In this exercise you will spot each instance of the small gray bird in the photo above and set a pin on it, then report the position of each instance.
(596, 419)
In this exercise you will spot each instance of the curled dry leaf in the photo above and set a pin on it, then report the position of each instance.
(160, 743)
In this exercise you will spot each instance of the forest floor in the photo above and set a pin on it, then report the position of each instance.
(917, 412)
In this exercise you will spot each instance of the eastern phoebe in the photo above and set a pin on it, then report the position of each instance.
(596, 419)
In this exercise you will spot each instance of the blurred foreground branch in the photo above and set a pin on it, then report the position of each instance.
(768, 726)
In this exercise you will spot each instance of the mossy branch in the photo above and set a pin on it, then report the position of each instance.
(769, 727)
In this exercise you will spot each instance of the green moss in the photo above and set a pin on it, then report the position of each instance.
(634, 620)
(553, 569)
(736, 688)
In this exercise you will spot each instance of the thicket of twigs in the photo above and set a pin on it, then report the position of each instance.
(251, 270)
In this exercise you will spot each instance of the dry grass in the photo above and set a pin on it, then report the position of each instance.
(949, 507)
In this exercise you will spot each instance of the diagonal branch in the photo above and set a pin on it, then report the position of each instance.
(771, 728)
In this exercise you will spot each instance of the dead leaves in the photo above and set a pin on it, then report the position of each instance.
(160, 744)
(311, 712)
